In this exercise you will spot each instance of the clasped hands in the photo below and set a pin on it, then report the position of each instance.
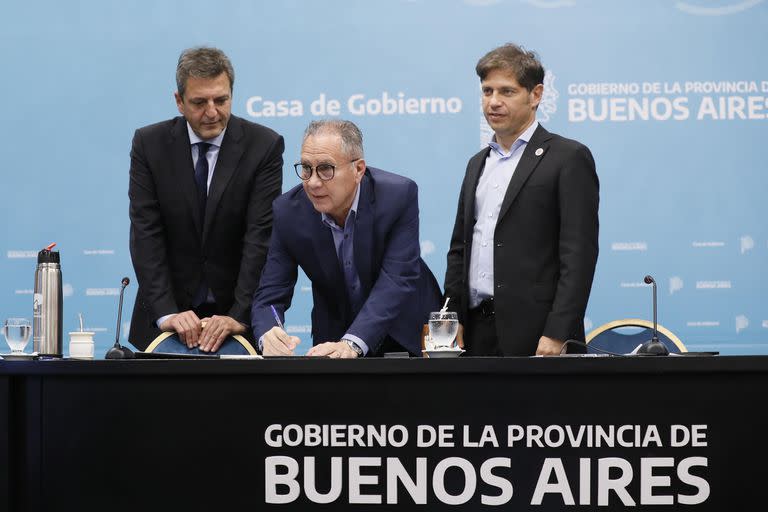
(207, 334)
(277, 342)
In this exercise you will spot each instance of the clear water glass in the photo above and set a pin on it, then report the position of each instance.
(17, 331)
(443, 326)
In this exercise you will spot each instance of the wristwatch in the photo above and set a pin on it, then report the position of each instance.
(354, 346)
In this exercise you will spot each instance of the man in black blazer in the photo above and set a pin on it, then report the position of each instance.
(201, 190)
(525, 240)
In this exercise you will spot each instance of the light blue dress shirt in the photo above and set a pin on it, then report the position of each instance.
(490, 192)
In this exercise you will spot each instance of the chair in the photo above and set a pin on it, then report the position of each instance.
(170, 343)
(608, 337)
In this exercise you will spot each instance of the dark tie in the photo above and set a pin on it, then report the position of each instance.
(201, 180)
(201, 177)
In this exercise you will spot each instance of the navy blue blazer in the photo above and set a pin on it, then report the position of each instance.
(398, 287)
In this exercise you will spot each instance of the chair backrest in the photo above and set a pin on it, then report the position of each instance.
(609, 337)
(170, 343)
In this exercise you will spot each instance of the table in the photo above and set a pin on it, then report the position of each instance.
(561, 433)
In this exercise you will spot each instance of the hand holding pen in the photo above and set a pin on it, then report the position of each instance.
(276, 342)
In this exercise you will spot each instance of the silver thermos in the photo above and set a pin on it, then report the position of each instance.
(47, 304)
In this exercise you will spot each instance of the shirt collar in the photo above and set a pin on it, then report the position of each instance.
(524, 138)
(194, 139)
(328, 220)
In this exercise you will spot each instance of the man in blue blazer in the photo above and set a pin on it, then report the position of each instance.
(354, 231)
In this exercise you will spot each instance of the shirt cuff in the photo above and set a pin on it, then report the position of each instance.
(357, 341)
(163, 319)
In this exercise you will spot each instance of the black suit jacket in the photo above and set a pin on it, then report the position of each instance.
(545, 244)
(172, 248)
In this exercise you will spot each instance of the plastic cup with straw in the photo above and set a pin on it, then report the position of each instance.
(444, 309)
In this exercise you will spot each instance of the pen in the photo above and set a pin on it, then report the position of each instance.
(277, 317)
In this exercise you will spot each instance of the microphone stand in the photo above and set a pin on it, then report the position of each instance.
(653, 347)
(118, 351)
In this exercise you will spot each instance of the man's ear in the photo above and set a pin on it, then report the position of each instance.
(536, 94)
(179, 102)
(359, 169)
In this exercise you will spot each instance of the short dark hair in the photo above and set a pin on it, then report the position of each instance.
(524, 65)
(202, 62)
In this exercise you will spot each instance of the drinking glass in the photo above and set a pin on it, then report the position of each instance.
(17, 331)
(443, 326)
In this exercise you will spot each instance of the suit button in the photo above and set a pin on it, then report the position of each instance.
(499, 286)
(500, 244)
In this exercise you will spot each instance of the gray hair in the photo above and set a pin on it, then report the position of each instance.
(202, 62)
(351, 136)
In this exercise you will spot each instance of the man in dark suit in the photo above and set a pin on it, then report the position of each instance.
(524, 244)
(354, 231)
(201, 190)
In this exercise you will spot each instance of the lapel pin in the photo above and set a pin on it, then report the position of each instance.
(539, 152)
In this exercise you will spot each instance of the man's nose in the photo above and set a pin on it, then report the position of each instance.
(210, 109)
(493, 100)
(314, 180)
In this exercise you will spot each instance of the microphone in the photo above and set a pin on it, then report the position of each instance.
(118, 351)
(653, 347)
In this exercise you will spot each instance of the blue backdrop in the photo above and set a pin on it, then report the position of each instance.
(671, 96)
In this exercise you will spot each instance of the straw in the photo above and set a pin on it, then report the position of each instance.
(81, 322)
(445, 306)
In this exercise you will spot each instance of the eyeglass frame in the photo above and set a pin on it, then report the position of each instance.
(298, 166)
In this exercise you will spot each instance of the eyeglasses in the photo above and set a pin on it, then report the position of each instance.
(324, 171)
